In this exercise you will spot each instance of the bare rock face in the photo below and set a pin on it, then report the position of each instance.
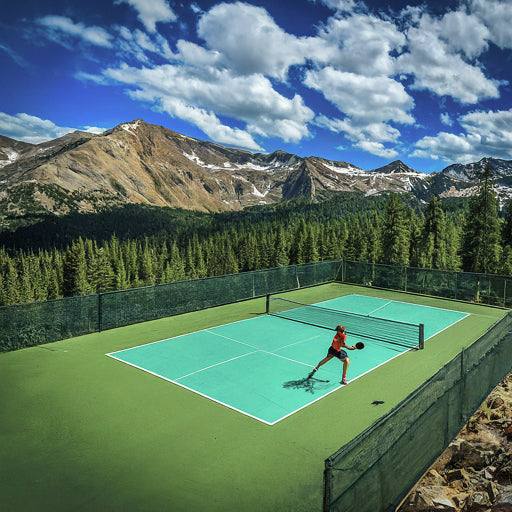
(474, 474)
(142, 163)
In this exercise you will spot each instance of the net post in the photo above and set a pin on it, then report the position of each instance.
(267, 303)
(422, 336)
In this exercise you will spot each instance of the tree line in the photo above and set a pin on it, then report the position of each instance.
(475, 239)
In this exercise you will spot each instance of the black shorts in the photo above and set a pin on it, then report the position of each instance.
(341, 355)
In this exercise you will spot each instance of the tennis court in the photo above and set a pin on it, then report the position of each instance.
(258, 366)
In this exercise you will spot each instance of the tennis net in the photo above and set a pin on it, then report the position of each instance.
(389, 331)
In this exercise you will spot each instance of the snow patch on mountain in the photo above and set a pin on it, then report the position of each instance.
(345, 170)
(11, 155)
(129, 127)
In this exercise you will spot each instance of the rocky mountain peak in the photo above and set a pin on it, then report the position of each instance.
(395, 167)
(138, 162)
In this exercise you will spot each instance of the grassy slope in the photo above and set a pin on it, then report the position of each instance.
(80, 431)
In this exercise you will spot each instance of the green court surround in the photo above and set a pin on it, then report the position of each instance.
(80, 432)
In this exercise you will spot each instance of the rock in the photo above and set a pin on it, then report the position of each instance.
(493, 491)
(477, 502)
(435, 478)
(508, 432)
(471, 455)
(444, 504)
(495, 402)
(457, 474)
(503, 502)
(504, 473)
(429, 499)
(488, 474)
(460, 499)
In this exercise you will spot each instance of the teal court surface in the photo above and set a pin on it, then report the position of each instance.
(258, 366)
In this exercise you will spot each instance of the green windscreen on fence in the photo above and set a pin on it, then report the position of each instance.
(472, 287)
(32, 324)
(376, 469)
(41, 322)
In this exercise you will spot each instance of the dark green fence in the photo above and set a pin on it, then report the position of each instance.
(32, 324)
(375, 470)
(484, 288)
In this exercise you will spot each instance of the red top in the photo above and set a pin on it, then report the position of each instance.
(338, 341)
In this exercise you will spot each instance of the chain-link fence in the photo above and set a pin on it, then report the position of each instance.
(467, 286)
(32, 324)
(375, 470)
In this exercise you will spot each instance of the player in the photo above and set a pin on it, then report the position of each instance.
(335, 350)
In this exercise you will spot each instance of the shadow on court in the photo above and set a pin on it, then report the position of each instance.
(308, 385)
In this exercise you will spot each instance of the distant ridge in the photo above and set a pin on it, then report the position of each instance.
(142, 163)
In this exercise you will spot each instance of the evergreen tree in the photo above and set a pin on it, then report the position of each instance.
(53, 289)
(311, 248)
(507, 225)
(147, 265)
(11, 284)
(373, 241)
(434, 242)
(481, 247)
(299, 243)
(395, 233)
(75, 270)
(102, 276)
(280, 256)
(176, 267)
(200, 264)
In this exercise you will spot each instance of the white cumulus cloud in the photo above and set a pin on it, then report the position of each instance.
(437, 67)
(249, 40)
(34, 130)
(497, 16)
(151, 12)
(446, 119)
(199, 95)
(359, 44)
(58, 27)
(486, 133)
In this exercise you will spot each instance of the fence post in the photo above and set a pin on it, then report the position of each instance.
(327, 486)
(463, 388)
(505, 293)
(100, 312)
(405, 278)
(456, 284)
(267, 303)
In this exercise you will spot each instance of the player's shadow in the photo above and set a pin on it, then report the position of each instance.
(308, 385)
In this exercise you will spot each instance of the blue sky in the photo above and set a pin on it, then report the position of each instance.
(365, 82)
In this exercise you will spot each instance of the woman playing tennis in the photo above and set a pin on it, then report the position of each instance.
(336, 350)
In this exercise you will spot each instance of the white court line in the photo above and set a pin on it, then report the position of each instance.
(292, 360)
(464, 313)
(231, 339)
(216, 364)
(268, 351)
(380, 307)
(193, 390)
(185, 334)
(448, 326)
(271, 353)
(339, 387)
(416, 304)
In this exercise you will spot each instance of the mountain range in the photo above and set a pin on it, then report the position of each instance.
(142, 163)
